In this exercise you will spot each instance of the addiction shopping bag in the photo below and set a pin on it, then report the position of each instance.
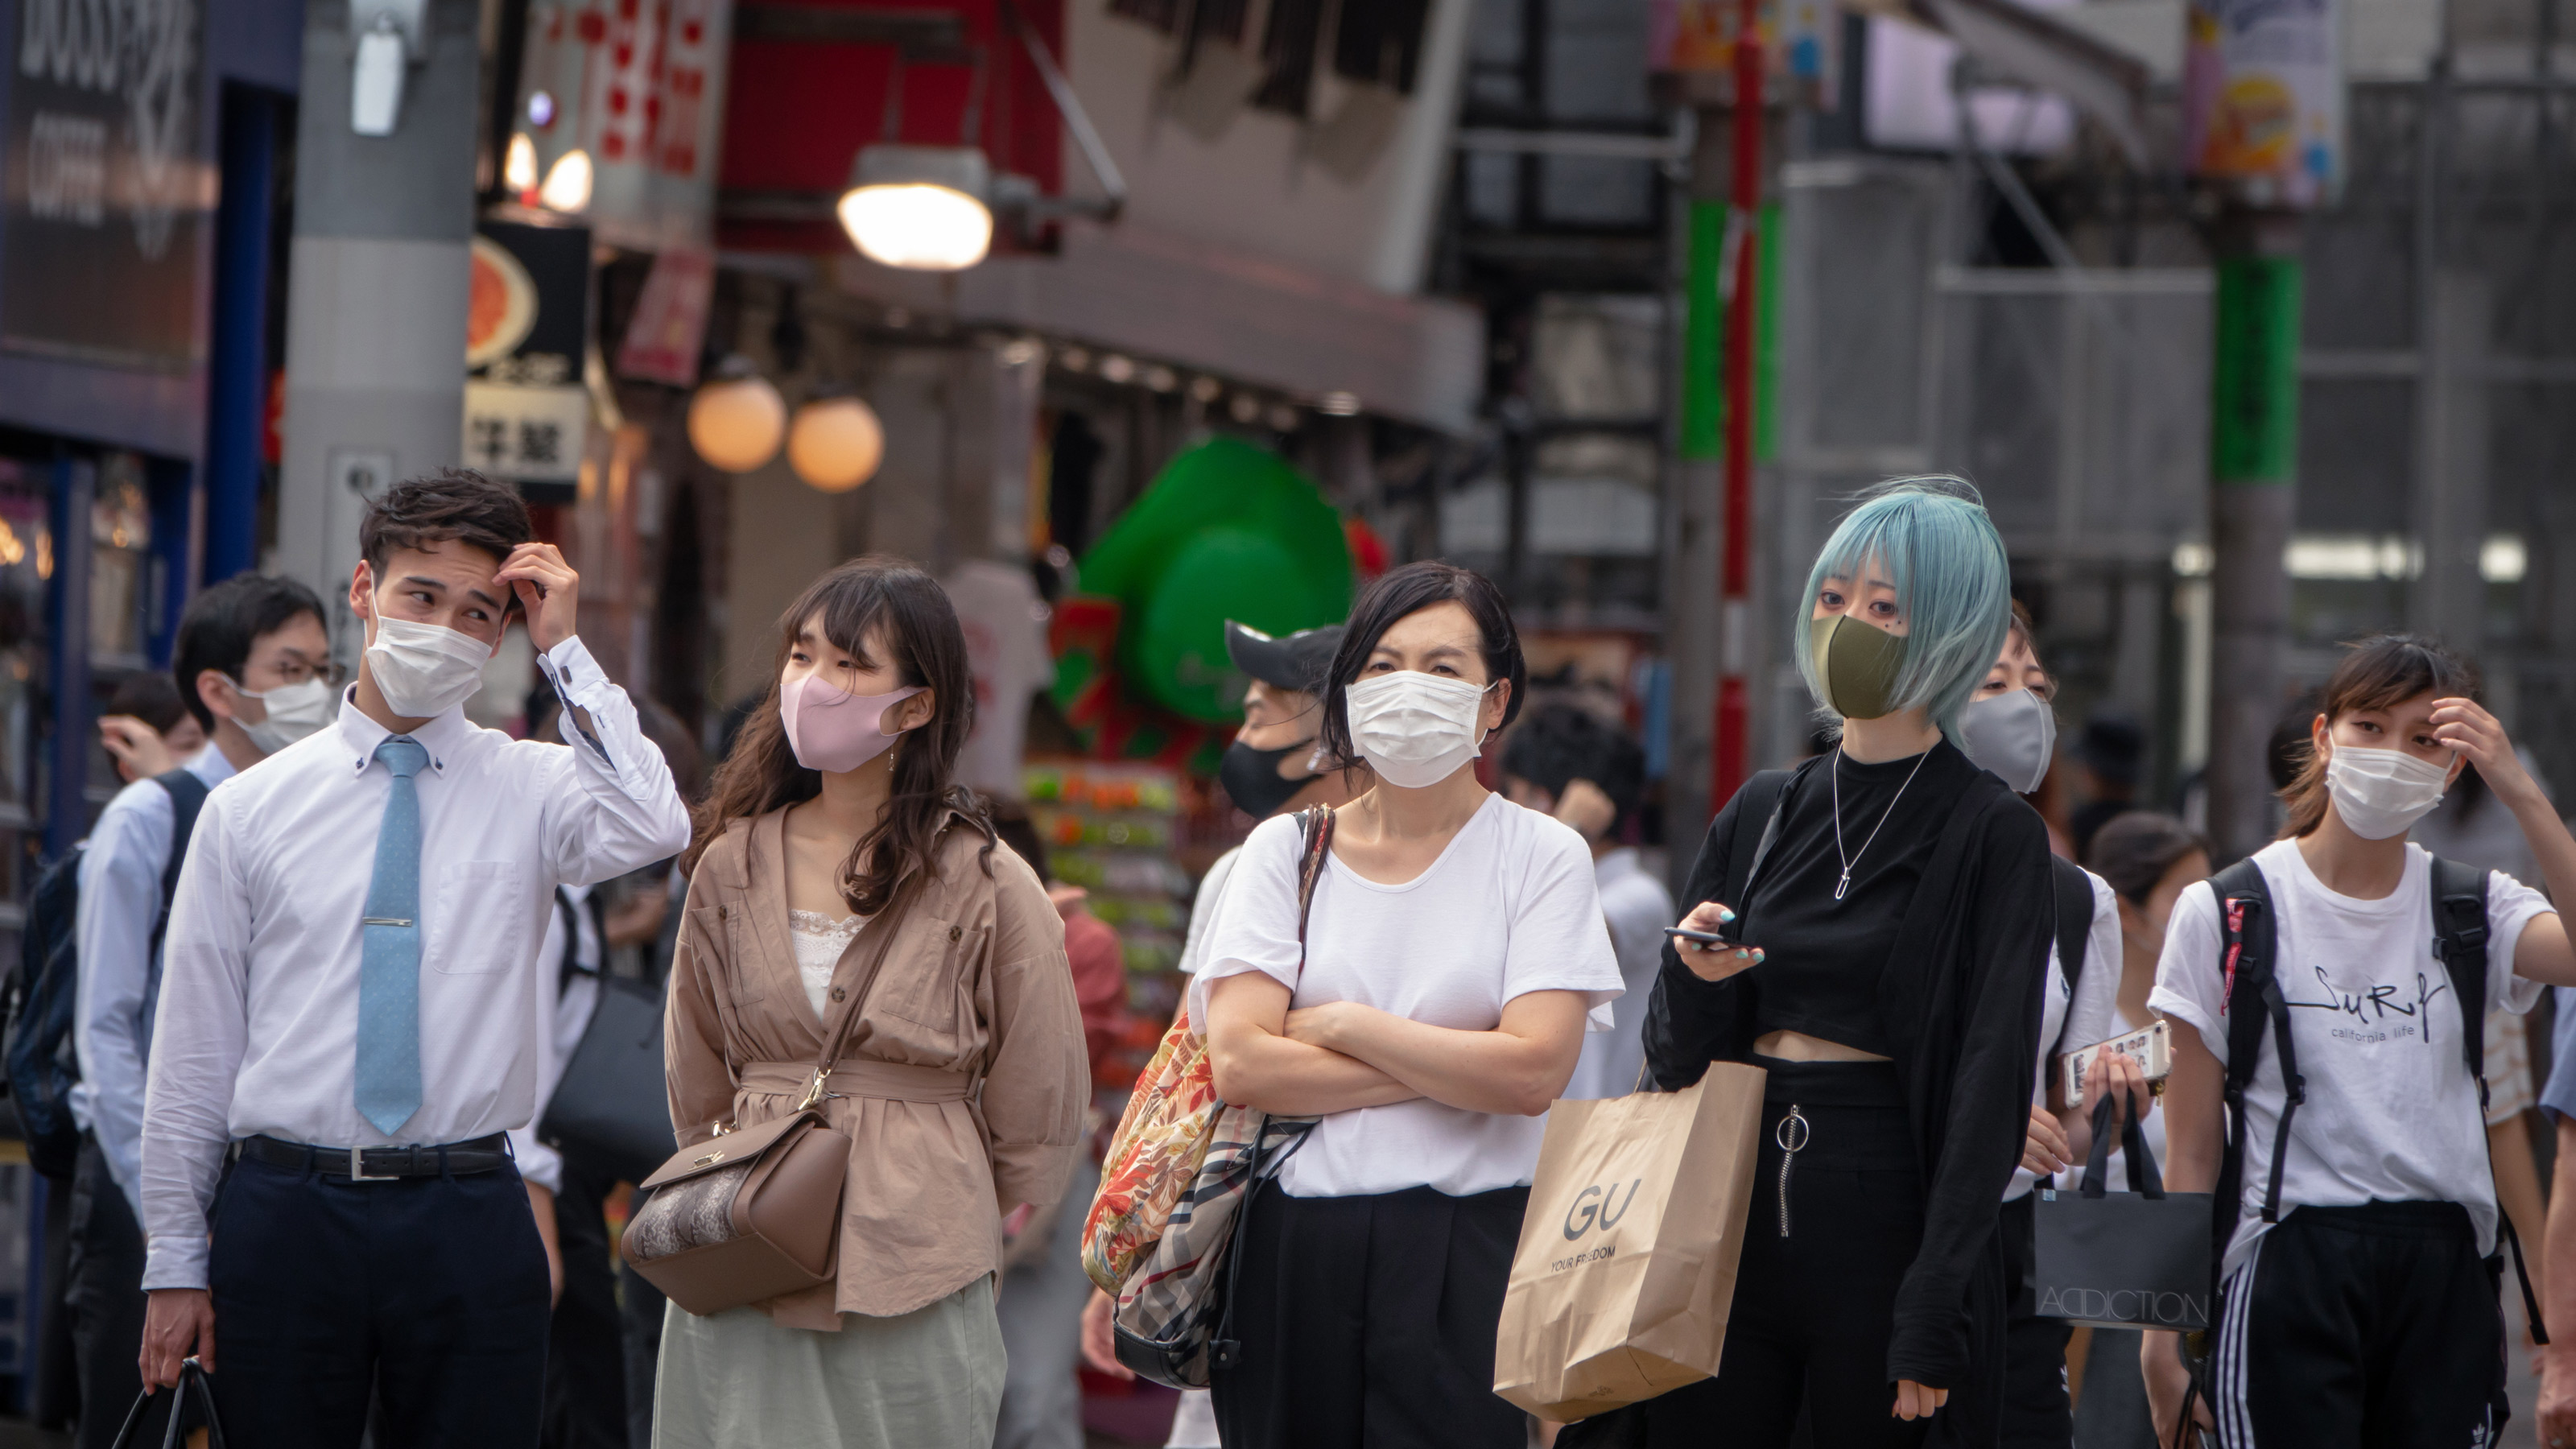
(2135, 1259)
(1626, 1267)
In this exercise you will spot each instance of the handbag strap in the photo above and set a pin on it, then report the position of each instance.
(884, 927)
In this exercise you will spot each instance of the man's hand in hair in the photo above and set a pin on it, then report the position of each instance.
(548, 591)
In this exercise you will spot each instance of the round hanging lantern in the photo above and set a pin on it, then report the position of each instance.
(835, 443)
(737, 419)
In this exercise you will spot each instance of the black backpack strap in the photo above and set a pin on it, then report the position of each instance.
(2460, 941)
(2074, 917)
(2252, 1002)
(187, 801)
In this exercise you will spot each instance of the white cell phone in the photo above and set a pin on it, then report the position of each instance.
(2152, 1045)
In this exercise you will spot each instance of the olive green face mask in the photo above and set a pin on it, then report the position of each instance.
(1857, 663)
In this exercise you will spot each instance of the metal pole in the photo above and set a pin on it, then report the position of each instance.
(2254, 448)
(377, 292)
(1743, 313)
(1697, 486)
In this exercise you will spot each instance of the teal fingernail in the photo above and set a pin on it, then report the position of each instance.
(1724, 914)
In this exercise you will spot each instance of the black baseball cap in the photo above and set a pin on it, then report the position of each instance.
(1297, 662)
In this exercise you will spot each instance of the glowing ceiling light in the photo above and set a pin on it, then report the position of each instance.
(519, 171)
(920, 207)
(567, 185)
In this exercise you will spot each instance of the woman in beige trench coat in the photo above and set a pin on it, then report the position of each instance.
(963, 1084)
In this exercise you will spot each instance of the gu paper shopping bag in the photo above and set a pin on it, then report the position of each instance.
(1626, 1266)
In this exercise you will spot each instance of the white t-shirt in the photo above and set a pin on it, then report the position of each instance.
(1637, 907)
(2078, 1015)
(1509, 908)
(1203, 911)
(2391, 1112)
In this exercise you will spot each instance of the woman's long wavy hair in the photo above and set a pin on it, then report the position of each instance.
(865, 605)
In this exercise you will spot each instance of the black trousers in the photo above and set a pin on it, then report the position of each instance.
(103, 1295)
(1815, 1304)
(1370, 1321)
(2372, 1327)
(431, 1291)
(2037, 1412)
(585, 1351)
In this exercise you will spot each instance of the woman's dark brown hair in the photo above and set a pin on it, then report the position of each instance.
(865, 605)
(2133, 851)
(2376, 673)
(1410, 590)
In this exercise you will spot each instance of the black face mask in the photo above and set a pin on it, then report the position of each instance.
(1251, 778)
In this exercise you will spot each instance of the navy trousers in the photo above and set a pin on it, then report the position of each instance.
(430, 1292)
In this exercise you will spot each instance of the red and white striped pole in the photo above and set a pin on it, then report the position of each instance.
(1731, 739)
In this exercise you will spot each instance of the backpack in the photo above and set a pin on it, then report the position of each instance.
(1161, 1235)
(38, 1048)
(2254, 1000)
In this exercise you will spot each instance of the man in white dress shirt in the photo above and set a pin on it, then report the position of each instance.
(351, 1014)
(250, 664)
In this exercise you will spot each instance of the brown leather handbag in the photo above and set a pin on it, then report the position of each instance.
(754, 1212)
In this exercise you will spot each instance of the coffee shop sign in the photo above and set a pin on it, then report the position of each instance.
(141, 57)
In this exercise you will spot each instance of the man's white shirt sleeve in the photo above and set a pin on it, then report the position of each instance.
(203, 1025)
(615, 810)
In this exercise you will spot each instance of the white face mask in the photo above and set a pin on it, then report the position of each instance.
(2014, 735)
(424, 670)
(1414, 729)
(295, 711)
(2380, 793)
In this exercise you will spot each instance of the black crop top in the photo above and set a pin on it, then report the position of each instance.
(1822, 958)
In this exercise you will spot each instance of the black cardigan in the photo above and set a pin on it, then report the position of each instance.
(1960, 1003)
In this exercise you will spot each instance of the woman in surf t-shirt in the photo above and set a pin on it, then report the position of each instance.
(2366, 1313)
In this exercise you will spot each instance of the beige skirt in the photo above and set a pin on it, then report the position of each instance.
(929, 1378)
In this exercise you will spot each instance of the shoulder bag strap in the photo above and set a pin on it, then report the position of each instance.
(885, 927)
(1761, 801)
(2074, 918)
(1315, 839)
(2460, 939)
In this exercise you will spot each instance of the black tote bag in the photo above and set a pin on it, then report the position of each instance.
(611, 1111)
(192, 1385)
(2135, 1259)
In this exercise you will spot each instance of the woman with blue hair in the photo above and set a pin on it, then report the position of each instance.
(1872, 932)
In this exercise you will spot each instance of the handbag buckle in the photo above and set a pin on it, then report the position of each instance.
(358, 1169)
(814, 1093)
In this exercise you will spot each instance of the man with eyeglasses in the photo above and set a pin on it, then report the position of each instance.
(252, 665)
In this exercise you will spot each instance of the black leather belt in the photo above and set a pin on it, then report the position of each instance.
(381, 1164)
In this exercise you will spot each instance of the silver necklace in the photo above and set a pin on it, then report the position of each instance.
(1843, 886)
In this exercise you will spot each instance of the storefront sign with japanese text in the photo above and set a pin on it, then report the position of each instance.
(527, 331)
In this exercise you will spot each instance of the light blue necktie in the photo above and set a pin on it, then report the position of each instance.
(389, 956)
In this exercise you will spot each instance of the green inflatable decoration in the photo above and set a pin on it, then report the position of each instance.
(1227, 531)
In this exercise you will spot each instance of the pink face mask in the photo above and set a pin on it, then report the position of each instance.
(833, 730)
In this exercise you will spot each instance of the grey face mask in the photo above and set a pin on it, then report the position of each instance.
(2014, 735)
